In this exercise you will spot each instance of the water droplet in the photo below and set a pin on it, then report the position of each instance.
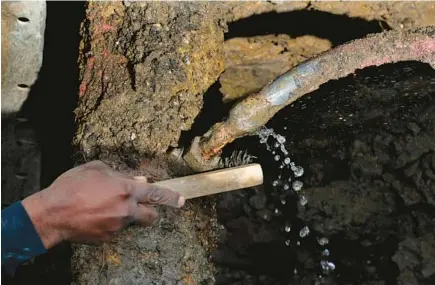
(287, 242)
(287, 160)
(325, 252)
(281, 166)
(283, 201)
(289, 179)
(327, 266)
(275, 183)
(285, 128)
(304, 232)
(297, 185)
(276, 211)
(283, 150)
(298, 243)
(273, 152)
(298, 171)
(323, 241)
(280, 139)
(286, 187)
(303, 201)
(288, 228)
(277, 157)
(276, 144)
(295, 271)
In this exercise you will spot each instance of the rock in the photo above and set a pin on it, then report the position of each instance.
(415, 258)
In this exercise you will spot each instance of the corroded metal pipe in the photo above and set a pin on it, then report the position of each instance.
(257, 109)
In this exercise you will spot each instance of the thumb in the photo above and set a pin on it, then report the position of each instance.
(147, 193)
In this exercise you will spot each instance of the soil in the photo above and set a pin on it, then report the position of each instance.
(366, 143)
(144, 69)
(150, 63)
(175, 250)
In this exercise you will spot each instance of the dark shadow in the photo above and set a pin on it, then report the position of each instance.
(323, 130)
(213, 111)
(49, 109)
(53, 97)
(336, 28)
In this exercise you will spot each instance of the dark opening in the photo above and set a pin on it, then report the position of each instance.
(49, 108)
(360, 139)
(23, 19)
(336, 28)
(23, 86)
(213, 111)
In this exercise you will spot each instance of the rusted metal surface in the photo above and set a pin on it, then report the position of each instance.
(257, 109)
(23, 25)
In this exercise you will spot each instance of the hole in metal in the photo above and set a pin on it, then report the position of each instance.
(23, 19)
(23, 86)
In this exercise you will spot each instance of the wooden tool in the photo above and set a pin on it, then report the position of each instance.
(217, 181)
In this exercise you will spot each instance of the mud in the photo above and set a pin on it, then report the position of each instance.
(145, 67)
(367, 145)
(175, 250)
(144, 70)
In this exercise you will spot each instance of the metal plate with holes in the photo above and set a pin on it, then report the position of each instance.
(23, 26)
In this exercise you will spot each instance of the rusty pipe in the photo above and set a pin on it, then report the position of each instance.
(257, 109)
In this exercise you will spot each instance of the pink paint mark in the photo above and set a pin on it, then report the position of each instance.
(106, 53)
(423, 47)
(82, 89)
(106, 28)
(91, 62)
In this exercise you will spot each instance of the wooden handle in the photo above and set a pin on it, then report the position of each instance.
(217, 181)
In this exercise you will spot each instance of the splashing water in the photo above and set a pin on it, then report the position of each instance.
(304, 232)
(323, 241)
(297, 185)
(287, 228)
(298, 171)
(327, 266)
(325, 252)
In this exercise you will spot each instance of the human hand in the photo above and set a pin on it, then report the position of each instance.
(90, 203)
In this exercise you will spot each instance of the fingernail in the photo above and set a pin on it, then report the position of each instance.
(181, 201)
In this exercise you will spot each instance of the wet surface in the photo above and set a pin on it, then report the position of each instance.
(366, 143)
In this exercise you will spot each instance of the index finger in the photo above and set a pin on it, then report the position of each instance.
(147, 193)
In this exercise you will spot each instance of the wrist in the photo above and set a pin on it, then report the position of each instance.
(41, 215)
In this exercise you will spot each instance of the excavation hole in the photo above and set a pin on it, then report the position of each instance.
(365, 143)
(337, 28)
